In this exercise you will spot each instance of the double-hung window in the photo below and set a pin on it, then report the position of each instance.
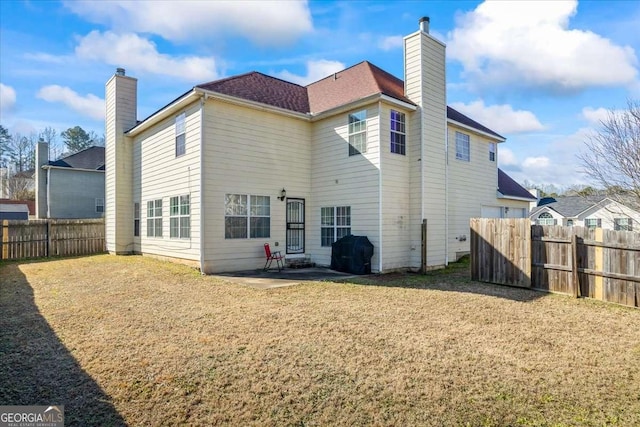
(593, 222)
(99, 205)
(180, 217)
(462, 146)
(154, 218)
(247, 216)
(623, 224)
(492, 151)
(335, 223)
(181, 146)
(398, 133)
(358, 132)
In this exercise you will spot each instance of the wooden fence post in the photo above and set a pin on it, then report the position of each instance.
(48, 238)
(599, 265)
(575, 279)
(5, 239)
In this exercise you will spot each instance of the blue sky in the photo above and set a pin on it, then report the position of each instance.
(541, 73)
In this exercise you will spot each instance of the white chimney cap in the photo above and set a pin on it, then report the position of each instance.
(119, 71)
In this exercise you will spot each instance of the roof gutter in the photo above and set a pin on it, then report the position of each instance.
(69, 168)
(472, 129)
(244, 102)
(163, 113)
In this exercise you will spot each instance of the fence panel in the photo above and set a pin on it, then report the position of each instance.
(45, 238)
(594, 263)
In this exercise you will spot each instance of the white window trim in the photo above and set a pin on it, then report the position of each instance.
(403, 122)
(628, 226)
(154, 218)
(248, 216)
(492, 151)
(463, 138)
(353, 150)
(334, 226)
(181, 129)
(180, 216)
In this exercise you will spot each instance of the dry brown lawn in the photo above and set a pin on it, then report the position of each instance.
(135, 341)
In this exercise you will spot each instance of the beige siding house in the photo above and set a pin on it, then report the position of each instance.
(251, 159)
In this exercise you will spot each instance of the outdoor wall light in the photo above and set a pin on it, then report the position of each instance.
(283, 194)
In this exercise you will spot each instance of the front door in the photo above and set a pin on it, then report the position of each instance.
(295, 226)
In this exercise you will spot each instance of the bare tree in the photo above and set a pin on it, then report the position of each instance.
(20, 186)
(612, 155)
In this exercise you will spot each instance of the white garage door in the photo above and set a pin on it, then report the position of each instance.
(491, 212)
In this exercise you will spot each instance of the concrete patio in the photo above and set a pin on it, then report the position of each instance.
(261, 279)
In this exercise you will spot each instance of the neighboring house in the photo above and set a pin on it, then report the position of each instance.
(13, 211)
(30, 204)
(587, 211)
(70, 187)
(252, 159)
(513, 200)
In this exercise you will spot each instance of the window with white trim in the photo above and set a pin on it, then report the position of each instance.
(593, 222)
(358, 132)
(335, 223)
(462, 146)
(181, 145)
(180, 217)
(99, 205)
(136, 219)
(398, 132)
(247, 216)
(546, 218)
(492, 151)
(154, 218)
(623, 224)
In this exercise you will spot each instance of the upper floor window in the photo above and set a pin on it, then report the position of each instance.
(358, 132)
(247, 216)
(462, 146)
(398, 134)
(492, 151)
(593, 222)
(181, 146)
(623, 224)
(179, 217)
(546, 218)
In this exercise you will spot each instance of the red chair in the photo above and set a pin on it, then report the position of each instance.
(271, 256)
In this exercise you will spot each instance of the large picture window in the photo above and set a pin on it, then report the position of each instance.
(358, 132)
(247, 216)
(546, 218)
(398, 133)
(154, 218)
(335, 222)
(180, 217)
(462, 147)
(181, 146)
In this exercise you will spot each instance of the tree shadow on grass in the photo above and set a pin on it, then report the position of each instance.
(37, 369)
(454, 278)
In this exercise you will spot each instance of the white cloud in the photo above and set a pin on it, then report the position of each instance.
(536, 162)
(263, 22)
(7, 98)
(595, 116)
(139, 54)
(390, 42)
(89, 105)
(506, 157)
(316, 70)
(500, 118)
(528, 44)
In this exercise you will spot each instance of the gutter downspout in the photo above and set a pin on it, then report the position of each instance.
(446, 188)
(202, 222)
(380, 151)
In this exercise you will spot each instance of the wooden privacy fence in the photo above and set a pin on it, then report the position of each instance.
(51, 237)
(579, 261)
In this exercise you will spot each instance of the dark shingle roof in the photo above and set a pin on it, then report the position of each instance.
(461, 118)
(261, 88)
(508, 187)
(571, 206)
(349, 85)
(90, 158)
